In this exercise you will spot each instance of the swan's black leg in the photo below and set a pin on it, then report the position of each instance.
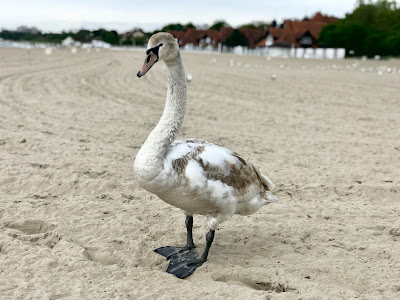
(189, 237)
(170, 251)
(184, 264)
(209, 238)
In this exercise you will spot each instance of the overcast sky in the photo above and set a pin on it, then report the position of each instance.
(121, 15)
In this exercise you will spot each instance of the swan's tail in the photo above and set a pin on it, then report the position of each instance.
(271, 198)
(270, 185)
(268, 182)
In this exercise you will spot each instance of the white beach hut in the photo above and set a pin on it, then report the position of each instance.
(100, 44)
(68, 42)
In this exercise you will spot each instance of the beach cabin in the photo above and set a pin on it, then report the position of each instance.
(297, 36)
(68, 42)
(130, 37)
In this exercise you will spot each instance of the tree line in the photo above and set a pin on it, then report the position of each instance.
(373, 28)
(32, 34)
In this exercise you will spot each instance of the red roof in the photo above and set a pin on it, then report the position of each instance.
(252, 35)
(286, 38)
(262, 42)
(213, 34)
(178, 35)
(193, 36)
(276, 32)
(325, 19)
(224, 33)
(299, 28)
(293, 31)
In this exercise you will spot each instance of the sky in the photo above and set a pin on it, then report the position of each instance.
(123, 15)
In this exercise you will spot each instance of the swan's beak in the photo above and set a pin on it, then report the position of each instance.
(151, 59)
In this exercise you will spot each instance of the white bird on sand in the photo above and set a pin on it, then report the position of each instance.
(48, 51)
(189, 77)
(194, 175)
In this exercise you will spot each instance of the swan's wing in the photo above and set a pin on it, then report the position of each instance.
(205, 164)
(230, 168)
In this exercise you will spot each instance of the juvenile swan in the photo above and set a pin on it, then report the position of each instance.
(194, 175)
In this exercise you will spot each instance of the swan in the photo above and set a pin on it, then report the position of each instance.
(192, 174)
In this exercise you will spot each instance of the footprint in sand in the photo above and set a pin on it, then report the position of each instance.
(31, 226)
(104, 257)
(395, 231)
(35, 231)
(254, 282)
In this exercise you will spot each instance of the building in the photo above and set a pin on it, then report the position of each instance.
(202, 38)
(302, 34)
(252, 36)
(292, 39)
(213, 38)
(68, 41)
(134, 36)
(297, 34)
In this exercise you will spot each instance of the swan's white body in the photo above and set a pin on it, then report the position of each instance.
(194, 175)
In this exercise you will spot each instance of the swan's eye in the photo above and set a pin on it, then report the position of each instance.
(154, 50)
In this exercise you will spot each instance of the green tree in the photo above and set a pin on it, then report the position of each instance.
(256, 25)
(175, 27)
(140, 41)
(110, 37)
(21, 36)
(218, 24)
(83, 36)
(236, 39)
(57, 37)
(371, 29)
(190, 25)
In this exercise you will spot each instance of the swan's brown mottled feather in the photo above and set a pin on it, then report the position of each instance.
(242, 177)
(180, 164)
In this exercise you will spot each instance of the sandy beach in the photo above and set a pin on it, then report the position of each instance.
(74, 224)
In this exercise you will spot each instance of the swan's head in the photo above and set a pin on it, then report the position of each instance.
(161, 46)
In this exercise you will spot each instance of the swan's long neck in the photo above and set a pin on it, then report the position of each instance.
(149, 160)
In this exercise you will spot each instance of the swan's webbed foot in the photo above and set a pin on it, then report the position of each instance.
(170, 251)
(185, 264)
(185, 260)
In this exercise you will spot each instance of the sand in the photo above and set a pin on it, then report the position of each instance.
(75, 224)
